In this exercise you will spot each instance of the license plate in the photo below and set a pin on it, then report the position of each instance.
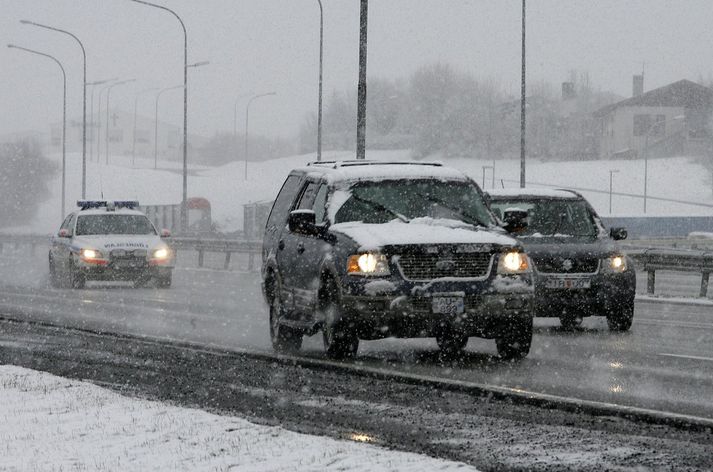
(450, 305)
(564, 283)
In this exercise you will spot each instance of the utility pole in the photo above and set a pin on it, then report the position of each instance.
(361, 91)
(523, 105)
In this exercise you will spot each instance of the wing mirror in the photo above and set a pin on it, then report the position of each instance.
(515, 220)
(618, 233)
(63, 233)
(165, 233)
(303, 222)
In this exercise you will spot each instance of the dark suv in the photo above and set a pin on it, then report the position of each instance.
(367, 250)
(580, 270)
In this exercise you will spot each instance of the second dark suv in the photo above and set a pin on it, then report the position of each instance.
(579, 268)
(367, 250)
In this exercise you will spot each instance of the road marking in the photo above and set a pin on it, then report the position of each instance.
(698, 358)
(674, 323)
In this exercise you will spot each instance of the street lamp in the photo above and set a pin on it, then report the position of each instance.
(235, 117)
(523, 104)
(99, 119)
(108, 96)
(92, 132)
(136, 106)
(155, 139)
(84, 99)
(247, 119)
(611, 181)
(646, 152)
(184, 215)
(64, 116)
(321, 56)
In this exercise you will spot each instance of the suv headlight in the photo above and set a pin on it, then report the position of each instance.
(513, 262)
(614, 264)
(161, 253)
(368, 263)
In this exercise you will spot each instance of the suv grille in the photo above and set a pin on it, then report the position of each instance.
(433, 266)
(566, 265)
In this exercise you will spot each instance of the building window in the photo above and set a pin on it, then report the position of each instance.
(642, 123)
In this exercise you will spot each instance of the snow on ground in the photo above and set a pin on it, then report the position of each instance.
(227, 189)
(51, 423)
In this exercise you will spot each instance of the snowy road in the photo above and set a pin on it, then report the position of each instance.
(665, 363)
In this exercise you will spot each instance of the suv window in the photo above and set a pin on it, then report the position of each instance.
(320, 203)
(307, 199)
(549, 217)
(278, 215)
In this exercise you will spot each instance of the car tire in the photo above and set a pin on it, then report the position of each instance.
(77, 279)
(451, 344)
(621, 318)
(284, 339)
(570, 322)
(340, 340)
(515, 345)
(164, 281)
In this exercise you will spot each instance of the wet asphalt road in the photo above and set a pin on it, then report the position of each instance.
(664, 363)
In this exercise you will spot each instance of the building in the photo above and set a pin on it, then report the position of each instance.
(667, 121)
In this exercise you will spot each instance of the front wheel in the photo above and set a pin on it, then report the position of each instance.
(283, 338)
(340, 340)
(621, 318)
(76, 278)
(515, 345)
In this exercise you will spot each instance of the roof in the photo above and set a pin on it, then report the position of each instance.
(683, 93)
(104, 211)
(502, 194)
(341, 171)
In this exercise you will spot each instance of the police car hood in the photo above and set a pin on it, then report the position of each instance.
(107, 242)
(419, 231)
(569, 247)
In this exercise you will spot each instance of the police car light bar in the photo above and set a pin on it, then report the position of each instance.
(88, 204)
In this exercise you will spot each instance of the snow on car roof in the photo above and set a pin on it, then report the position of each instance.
(104, 211)
(532, 192)
(346, 171)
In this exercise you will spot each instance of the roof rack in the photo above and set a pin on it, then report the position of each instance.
(362, 162)
(89, 204)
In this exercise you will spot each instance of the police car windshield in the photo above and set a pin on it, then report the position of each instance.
(551, 217)
(114, 224)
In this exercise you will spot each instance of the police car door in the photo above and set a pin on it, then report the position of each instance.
(61, 244)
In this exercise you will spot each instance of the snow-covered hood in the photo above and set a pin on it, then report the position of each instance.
(116, 241)
(372, 237)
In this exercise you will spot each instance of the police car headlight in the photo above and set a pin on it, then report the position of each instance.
(513, 262)
(91, 254)
(161, 253)
(368, 264)
(614, 264)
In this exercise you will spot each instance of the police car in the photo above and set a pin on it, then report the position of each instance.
(110, 241)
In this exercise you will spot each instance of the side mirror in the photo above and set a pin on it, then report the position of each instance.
(303, 222)
(618, 233)
(63, 233)
(165, 233)
(515, 220)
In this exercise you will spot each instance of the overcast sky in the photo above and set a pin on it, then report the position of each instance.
(272, 45)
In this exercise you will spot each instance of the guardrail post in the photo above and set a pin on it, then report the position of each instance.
(226, 266)
(200, 257)
(650, 281)
(704, 284)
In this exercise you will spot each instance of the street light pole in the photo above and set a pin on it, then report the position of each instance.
(155, 139)
(136, 106)
(64, 117)
(247, 120)
(108, 96)
(321, 60)
(611, 185)
(84, 100)
(523, 104)
(99, 122)
(92, 132)
(361, 87)
(235, 118)
(184, 214)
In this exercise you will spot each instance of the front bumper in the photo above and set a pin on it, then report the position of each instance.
(113, 271)
(387, 308)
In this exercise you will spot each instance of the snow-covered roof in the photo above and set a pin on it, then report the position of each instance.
(347, 171)
(532, 192)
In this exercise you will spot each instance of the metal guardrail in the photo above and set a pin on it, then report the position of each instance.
(677, 260)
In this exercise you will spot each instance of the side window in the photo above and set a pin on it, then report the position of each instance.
(71, 224)
(307, 198)
(278, 215)
(65, 223)
(320, 203)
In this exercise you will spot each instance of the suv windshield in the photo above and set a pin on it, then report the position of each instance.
(114, 224)
(380, 202)
(550, 217)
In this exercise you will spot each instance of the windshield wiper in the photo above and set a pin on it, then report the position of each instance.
(380, 207)
(458, 211)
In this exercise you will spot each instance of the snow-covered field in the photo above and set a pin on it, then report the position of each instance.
(51, 423)
(679, 178)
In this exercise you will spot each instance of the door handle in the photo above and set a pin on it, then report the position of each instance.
(281, 245)
(300, 248)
